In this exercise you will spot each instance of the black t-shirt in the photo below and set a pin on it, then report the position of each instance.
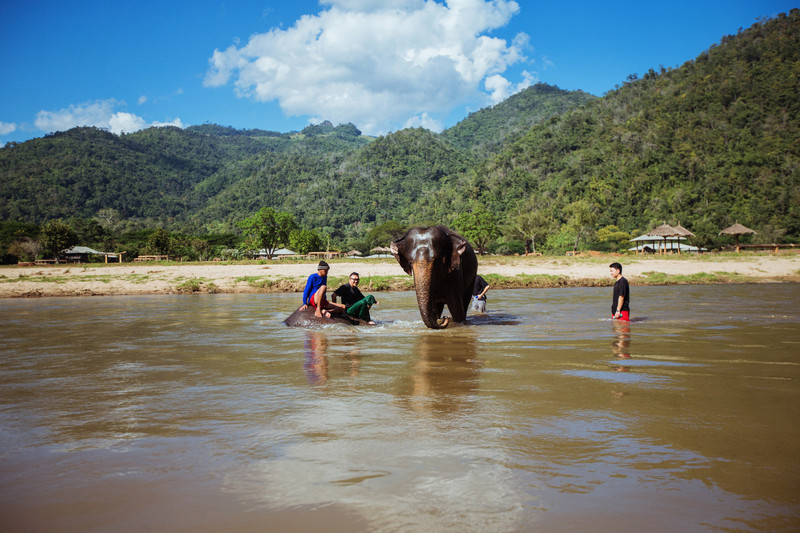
(348, 294)
(621, 288)
(480, 284)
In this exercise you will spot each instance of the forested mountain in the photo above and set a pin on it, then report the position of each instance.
(84, 170)
(380, 182)
(712, 142)
(151, 174)
(486, 131)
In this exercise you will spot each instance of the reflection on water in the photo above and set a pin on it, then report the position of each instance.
(316, 355)
(622, 341)
(206, 413)
(444, 376)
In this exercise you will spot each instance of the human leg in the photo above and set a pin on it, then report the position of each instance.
(318, 300)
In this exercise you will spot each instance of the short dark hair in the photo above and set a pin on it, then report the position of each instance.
(354, 274)
(617, 266)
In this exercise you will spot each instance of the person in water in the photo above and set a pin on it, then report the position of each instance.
(356, 304)
(620, 304)
(479, 291)
(314, 293)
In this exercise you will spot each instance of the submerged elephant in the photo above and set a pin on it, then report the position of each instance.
(444, 267)
(306, 317)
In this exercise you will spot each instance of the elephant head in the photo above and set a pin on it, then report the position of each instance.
(444, 266)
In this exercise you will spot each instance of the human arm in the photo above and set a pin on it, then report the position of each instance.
(483, 292)
(480, 288)
(620, 301)
(309, 289)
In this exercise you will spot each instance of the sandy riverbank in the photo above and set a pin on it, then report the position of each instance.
(509, 272)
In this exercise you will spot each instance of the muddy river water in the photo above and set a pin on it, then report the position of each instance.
(206, 413)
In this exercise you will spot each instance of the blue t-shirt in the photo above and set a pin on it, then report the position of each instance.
(315, 281)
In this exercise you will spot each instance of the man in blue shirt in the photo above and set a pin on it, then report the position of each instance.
(314, 293)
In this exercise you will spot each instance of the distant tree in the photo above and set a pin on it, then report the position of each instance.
(582, 216)
(383, 234)
(478, 226)
(109, 218)
(268, 229)
(56, 236)
(25, 249)
(160, 241)
(530, 224)
(612, 239)
(304, 240)
(201, 247)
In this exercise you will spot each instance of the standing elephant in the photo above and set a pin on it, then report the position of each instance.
(444, 267)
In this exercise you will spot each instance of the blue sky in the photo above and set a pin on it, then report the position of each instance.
(381, 64)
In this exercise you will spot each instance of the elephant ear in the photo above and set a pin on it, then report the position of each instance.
(399, 255)
(459, 246)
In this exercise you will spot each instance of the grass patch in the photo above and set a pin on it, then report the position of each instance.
(386, 283)
(539, 281)
(700, 278)
(257, 282)
(194, 285)
(87, 278)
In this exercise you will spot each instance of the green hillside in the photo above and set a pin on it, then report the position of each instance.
(712, 142)
(147, 174)
(379, 182)
(486, 131)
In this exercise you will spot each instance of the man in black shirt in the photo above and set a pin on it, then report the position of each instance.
(350, 294)
(620, 304)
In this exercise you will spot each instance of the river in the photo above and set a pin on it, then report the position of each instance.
(206, 413)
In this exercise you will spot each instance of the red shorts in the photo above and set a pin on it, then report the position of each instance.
(625, 316)
(313, 304)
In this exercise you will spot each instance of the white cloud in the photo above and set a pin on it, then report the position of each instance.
(7, 127)
(423, 121)
(126, 122)
(379, 64)
(500, 88)
(142, 99)
(100, 113)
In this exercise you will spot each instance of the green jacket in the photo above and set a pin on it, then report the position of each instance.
(360, 309)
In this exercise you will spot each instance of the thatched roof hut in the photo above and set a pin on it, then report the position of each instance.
(736, 230)
(683, 231)
(665, 230)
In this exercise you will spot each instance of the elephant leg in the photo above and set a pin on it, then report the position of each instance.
(457, 308)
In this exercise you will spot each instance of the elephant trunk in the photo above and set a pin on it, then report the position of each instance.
(428, 308)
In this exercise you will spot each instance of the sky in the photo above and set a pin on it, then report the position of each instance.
(381, 64)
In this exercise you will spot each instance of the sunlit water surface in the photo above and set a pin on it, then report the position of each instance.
(206, 413)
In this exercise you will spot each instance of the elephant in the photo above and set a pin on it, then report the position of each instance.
(306, 318)
(444, 266)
